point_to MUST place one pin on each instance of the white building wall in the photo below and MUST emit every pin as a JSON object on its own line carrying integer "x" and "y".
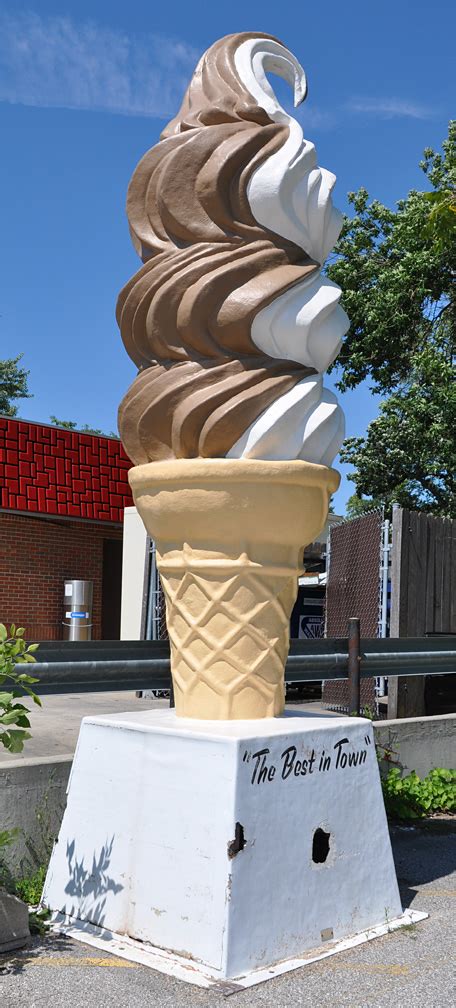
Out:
{"x": 134, "y": 569}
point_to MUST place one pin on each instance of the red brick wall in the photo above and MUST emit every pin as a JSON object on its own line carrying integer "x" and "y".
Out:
{"x": 36, "y": 556}
{"x": 49, "y": 470}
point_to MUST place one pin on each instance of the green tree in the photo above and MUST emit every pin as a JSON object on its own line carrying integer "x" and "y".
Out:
{"x": 396, "y": 269}
{"x": 357, "y": 506}
{"x": 409, "y": 453}
{"x": 13, "y": 385}
{"x": 66, "y": 424}
{"x": 85, "y": 429}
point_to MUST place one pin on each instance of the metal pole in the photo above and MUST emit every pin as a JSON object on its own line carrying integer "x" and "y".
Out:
{"x": 153, "y": 589}
{"x": 384, "y": 603}
{"x": 385, "y": 565}
{"x": 354, "y": 663}
{"x": 327, "y": 566}
{"x": 150, "y": 596}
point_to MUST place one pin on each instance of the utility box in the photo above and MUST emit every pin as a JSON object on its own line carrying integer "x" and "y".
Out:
{"x": 78, "y": 597}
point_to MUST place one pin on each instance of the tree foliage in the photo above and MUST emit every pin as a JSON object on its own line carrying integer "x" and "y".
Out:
{"x": 409, "y": 453}
{"x": 357, "y": 505}
{"x": 396, "y": 269}
{"x": 13, "y": 385}
{"x": 85, "y": 429}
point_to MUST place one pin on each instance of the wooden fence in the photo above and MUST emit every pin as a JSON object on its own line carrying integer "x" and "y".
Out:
{"x": 423, "y": 593}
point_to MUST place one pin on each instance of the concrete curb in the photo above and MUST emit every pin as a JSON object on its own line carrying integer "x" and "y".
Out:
{"x": 420, "y": 744}
{"x": 32, "y": 800}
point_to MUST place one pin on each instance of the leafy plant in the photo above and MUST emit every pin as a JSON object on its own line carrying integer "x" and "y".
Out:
{"x": 411, "y": 797}
{"x": 14, "y": 715}
{"x": 38, "y": 920}
{"x": 30, "y": 889}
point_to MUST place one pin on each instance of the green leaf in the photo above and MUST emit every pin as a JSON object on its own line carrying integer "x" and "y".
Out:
{"x": 13, "y": 740}
{"x": 13, "y": 716}
{"x": 20, "y": 632}
{"x": 6, "y": 698}
{"x": 3, "y": 632}
{"x": 23, "y": 721}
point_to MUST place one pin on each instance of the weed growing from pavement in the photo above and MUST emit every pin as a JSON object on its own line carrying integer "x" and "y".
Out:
{"x": 409, "y": 931}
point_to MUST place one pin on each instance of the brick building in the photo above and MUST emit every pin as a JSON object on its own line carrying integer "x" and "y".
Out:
{"x": 62, "y": 496}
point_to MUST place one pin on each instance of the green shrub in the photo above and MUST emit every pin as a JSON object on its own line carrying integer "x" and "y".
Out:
{"x": 30, "y": 889}
{"x": 411, "y": 797}
{"x": 14, "y": 716}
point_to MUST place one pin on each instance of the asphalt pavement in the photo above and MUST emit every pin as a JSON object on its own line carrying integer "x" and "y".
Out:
{"x": 404, "y": 969}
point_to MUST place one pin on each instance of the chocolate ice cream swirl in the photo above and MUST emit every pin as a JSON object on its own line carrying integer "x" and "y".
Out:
{"x": 209, "y": 268}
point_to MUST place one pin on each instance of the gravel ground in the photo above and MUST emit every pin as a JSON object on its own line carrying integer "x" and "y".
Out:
{"x": 404, "y": 969}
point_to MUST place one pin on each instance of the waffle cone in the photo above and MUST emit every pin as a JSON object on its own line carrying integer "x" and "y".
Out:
{"x": 230, "y": 536}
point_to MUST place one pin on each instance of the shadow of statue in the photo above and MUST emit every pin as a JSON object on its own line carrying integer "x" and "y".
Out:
{"x": 421, "y": 856}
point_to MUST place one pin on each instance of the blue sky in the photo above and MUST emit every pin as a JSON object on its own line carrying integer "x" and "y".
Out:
{"x": 86, "y": 87}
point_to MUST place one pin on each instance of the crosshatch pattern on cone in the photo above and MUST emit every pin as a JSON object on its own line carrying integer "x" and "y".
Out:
{"x": 230, "y": 537}
{"x": 228, "y": 629}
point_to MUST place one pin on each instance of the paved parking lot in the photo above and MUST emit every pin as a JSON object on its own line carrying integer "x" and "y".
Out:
{"x": 409, "y": 968}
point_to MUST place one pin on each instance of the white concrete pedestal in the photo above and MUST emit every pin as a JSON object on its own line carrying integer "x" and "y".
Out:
{"x": 199, "y": 840}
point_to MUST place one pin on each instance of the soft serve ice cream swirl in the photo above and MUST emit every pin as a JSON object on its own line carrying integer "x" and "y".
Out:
{"x": 229, "y": 320}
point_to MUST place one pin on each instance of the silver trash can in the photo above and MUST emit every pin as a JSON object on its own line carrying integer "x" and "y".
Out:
{"x": 77, "y": 625}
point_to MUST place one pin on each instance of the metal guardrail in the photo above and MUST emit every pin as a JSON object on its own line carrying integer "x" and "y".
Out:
{"x": 98, "y": 666}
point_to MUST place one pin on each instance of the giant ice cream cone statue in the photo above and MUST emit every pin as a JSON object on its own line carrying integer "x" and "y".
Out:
{"x": 231, "y": 324}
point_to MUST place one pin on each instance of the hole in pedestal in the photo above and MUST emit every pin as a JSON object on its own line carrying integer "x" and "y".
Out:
{"x": 239, "y": 841}
{"x": 320, "y": 846}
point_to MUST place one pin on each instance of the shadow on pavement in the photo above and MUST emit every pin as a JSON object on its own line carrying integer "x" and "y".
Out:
{"x": 421, "y": 857}
{"x": 13, "y": 963}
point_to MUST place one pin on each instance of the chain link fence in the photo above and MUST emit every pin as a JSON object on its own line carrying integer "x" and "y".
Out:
{"x": 353, "y": 589}
{"x": 155, "y": 612}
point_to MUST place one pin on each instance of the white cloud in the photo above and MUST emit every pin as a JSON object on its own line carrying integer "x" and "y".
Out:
{"x": 389, "y": 108}
{"x": 57, "y": 62}
{"x": 311, "y": 117}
